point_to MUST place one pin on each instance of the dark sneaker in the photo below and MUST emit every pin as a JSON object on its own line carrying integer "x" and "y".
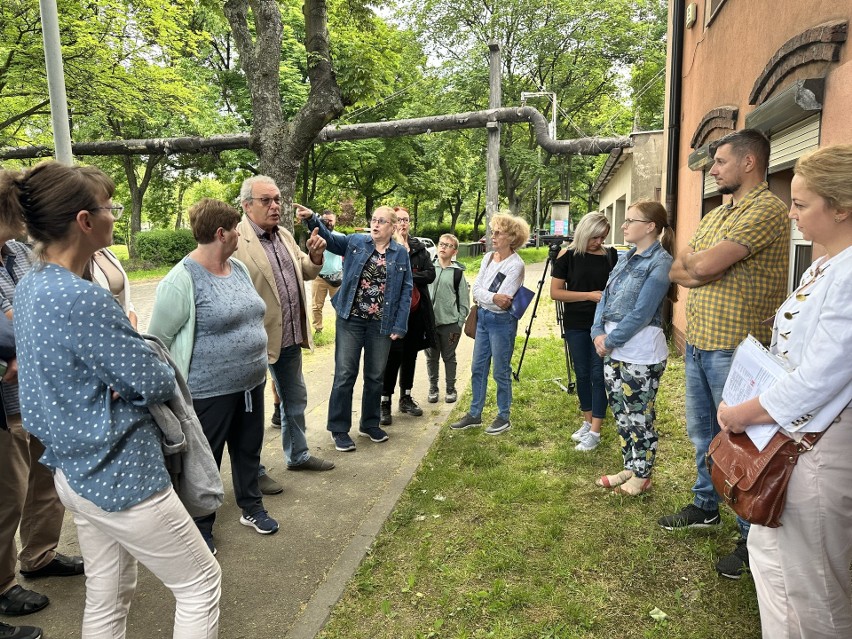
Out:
{"x": 408, "y": 405}
{"x": 451, "y": 397}
{"x": 207, "y": 535}
{"x": 19, "y": 632}
{"x": 467, "y": 421}
{"x": 432, "y": 397}
{"x": 499, "y": 425}
{"x": 691, "y": 516}
{"x": 276, "y": 416}
{"x": 375, "y": 434}
{"x": 343, "y": 442}
{"x": 735, "y": 565}
{"x": 261, "y": 522}
{"x": 269, "y": 486}
{"x": 386, "y": 419}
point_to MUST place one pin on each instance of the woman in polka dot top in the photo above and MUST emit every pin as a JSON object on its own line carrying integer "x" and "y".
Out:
{"x": 86, "y": 379}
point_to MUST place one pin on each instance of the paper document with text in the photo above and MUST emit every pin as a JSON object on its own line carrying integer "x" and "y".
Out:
{"x": 753, "y": 370}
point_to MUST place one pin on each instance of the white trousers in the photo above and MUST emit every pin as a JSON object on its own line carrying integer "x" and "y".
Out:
{"x": 801, "y": 570}
{"x": 161, "y": 535}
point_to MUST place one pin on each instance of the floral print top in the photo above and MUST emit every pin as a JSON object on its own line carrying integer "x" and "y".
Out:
{"x": 370, "y": 295}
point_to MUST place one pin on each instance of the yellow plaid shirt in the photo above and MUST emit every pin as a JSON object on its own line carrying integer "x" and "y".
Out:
{"x": 720, "y": 314}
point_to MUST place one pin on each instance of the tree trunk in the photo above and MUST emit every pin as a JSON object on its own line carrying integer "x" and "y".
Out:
{"x": 282, "y": 145}
{"x": 137, "y": 194}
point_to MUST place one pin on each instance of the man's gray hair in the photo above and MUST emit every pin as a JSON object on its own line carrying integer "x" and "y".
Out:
{"x": 248, "y": 184}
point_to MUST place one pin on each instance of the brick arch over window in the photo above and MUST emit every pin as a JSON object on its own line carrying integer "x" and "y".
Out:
{"x": 719, "y": 118}
{"x": 818, "y": 44}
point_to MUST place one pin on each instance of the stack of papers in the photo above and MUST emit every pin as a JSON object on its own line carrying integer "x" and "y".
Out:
{"x": 753, "y": 370}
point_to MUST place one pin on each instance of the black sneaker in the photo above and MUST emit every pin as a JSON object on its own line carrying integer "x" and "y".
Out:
{"x": 375, "y": 434}
{"x": 276, "y": 416}
{"x": 452, "y": 396}
{"x": 386, "y": 419}
{"x": 432, "y": 397}
{"x": 19, "y": 632}
{"x": 735, "y": 565}
{"x": 343, "y": 442}
{"x": 467, "y": 421}
{"x": 691, "y": 516}
{"x": 408, "y": 405}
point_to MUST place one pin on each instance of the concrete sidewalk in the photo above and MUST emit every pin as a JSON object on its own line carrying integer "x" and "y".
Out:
{"x": 284, "y": 585}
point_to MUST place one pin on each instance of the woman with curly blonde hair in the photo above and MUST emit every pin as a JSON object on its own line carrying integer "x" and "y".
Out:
{"x": 500, "y": 277}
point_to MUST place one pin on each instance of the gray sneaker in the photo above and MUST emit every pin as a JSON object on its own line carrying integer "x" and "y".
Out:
{"x": 451, "y": 397}
{"x": 589, "y": 442}
{"x": 499, "y": 425}
{"x": 467, "y": 421}
{"x": 432, "y": 397}
{"x": 580, "y": 432}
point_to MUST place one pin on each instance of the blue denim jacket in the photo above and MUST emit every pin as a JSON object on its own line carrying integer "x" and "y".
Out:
{"x": 356, "y": 249}
{"x": 634, "y": 294}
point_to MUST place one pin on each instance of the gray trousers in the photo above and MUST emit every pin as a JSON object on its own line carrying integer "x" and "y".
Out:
{"x": 446, "y": 351}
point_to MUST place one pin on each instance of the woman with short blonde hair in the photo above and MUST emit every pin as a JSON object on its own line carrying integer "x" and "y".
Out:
{"x": 500, "y": 277}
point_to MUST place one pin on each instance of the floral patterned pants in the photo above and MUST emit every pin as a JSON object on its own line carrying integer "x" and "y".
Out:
{"x": 632, "y": 391}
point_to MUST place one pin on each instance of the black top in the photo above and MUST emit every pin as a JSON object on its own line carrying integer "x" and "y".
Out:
{"x": 583, "y": 273}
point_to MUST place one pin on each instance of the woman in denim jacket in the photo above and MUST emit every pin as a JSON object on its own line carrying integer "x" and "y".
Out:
{"x": 372, "y": 306}
{"x": 627, "y": 332}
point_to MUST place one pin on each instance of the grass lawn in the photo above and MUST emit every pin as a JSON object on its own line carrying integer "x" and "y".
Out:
{"x": 508, "y": 536}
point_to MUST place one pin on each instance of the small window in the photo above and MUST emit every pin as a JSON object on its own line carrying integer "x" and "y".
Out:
{"x": 711, "y": 8}
{"x": 802, "y": 257}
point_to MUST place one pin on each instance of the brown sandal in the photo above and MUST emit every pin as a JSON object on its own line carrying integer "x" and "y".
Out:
{"x": 611, "y": 481}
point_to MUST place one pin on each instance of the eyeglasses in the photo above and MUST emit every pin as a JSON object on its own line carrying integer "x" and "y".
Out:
{"x": 266, "y": 202}
{"x": 117, "y": 210}
{"x": 628, "y": 221}
{"x": 446, "y": 245}
{"x": 497, "y": 233}
{"x": 379, "y": 220}
{"x": 402, "y": 220}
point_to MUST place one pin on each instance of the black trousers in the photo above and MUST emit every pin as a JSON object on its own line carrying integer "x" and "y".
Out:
{"x": 226, "y": 420}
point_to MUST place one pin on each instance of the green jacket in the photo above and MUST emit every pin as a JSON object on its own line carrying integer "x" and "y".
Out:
{"x": 449, "y": 308}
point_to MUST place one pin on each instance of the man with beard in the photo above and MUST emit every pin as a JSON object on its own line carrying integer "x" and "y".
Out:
{"x": 736, "y": 269}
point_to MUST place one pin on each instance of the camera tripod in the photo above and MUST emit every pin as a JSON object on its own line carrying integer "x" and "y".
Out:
{"x": 553, "y": 252}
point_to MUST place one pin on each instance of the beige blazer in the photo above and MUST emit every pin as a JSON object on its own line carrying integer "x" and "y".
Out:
{"x": 250, "y": 252}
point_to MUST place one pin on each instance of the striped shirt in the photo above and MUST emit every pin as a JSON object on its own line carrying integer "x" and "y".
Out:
{"x": 17, "y": 262}
{"x": 720, "y": 314}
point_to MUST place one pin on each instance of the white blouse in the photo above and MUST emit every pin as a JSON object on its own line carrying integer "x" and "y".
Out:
{"x": 813, "y": 333}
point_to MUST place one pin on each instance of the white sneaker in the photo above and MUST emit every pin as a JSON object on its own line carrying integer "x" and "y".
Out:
{"x": 589, "y": 442}
{"x": 580, "y": 432}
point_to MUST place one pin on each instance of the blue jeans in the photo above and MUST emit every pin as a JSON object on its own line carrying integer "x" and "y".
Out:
{"x": 706, "y": 373}
{"x": 495, "y": 342}
{"x": 588, "y": 369}
{"x": 353, "y": 336}
{"x": 290, "y": 383}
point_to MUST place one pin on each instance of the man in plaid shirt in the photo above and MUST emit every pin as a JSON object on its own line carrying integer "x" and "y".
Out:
{"x": 736, "y": 268}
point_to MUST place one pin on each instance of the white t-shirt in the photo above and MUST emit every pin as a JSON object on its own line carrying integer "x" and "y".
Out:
{"x": 647, "y": 346}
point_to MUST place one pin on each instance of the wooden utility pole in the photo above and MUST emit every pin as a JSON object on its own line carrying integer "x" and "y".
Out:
{"x": 492, "y": 170}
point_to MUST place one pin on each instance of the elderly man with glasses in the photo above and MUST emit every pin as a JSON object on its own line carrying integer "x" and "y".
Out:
{"x": 278, "y": 269}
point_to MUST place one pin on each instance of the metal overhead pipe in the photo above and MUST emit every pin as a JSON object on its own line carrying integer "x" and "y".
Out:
{"x": 56, "y": 81}
{"x": 332, "y": 133}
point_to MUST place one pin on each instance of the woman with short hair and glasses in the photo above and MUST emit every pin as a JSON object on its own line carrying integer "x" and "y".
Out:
{"x": 372, "y": 305}
{"x": 500, "y": 277}
{"x": 87, "y": 379}
{"x": 402, "y": 358}
{"x": 580, "y": 273}
{"x": 628, "y": 333}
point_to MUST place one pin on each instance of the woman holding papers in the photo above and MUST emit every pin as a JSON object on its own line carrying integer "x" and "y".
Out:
{"x": 499, "y": 279}
{"x": 628, "y": 334}
{"x": 801, "y": 570}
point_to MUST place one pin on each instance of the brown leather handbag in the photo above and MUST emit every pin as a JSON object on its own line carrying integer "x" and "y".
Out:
{"x": 470, "y": 322}
{"x": 752, "y": 482}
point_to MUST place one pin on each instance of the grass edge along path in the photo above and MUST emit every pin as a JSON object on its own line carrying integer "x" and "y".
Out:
{"x": 508, "y": 536}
